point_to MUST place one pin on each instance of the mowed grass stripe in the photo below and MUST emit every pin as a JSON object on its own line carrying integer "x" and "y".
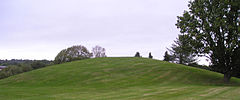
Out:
{"x": 119, "y": 79}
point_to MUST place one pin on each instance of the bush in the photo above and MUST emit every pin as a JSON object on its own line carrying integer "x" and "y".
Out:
{"x": 22, "y": 67}
{"x": 26, "y": 67}
{"x": 10, "y": 70}
{"x": 37, "y": 64}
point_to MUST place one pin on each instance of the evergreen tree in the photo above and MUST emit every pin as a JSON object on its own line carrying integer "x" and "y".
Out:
{"x": 137, "y": 54}
{"x": 181, "y": 51}
{"x": 150, "y": 56}
{"x": 167, "y": 57}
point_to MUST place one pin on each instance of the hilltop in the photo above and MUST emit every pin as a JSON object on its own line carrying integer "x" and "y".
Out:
{"x": 118, "y": 78}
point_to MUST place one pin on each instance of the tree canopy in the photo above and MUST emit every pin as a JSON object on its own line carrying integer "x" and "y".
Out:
{"x": 213, "y": 28}
{"x": 72, "y": 53}
{"x": 150, "y": 55}
{"x": 166, "y": 56}
{"x": 137, "y": 54}
{"x": 181, "y": 51}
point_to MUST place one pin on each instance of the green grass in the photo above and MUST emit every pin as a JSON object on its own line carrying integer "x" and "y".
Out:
{"x": 119, "y": 79}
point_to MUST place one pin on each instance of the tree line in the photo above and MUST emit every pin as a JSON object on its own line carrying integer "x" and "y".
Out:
{"x": 15, "y": 66}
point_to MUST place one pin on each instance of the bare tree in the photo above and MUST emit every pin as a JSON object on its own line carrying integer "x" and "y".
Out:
{"x": 98, "y": 51}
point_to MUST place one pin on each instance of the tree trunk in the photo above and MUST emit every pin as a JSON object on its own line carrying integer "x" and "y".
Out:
{"x": 227, "y": 78}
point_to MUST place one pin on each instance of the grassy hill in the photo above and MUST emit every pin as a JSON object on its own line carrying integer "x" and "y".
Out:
{"x": 119, "y": 78}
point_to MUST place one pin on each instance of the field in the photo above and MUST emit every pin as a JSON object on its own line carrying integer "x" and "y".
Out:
{"x": 119, "y": 79}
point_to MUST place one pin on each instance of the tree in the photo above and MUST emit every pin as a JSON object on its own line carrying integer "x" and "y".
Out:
{"x": 167, "y": 57}
{"x": 150, "y": 56}
{"x": 72, "y": 53}
{"x": 98, "y": 51}
{"x": 37, "y": 64}
{"x": 181, "y": 51}
{"x": 137, "y": 54}
{"x": 13, "y": 70}
{"x": 10, "y": 70}
{"x": 25, "y": 67}
{"x": 213, "y": 28}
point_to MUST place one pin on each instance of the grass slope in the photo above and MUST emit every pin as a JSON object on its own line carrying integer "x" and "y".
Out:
{"x": 118, "y": 78}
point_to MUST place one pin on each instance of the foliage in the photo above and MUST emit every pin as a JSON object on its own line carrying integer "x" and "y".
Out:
{"x": 72, "y": 53}
{"x": 137, "y": 54}
{"x": 18, "y": 62}
{"x": 150, "y": 55}
{"x": 25, "y": 67}
{"x": 181, "y": 51}
{"x": 9, "y": 71}
{"x": 98, "y": 51}
{"x": 213, "y": 26}
{"x": 37, "y": 64}
{"x": 167, "y": 57}
{"x": 21, "y": 66}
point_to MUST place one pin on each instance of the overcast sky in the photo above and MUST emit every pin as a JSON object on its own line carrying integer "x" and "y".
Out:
{"x": 39, "y": 29}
